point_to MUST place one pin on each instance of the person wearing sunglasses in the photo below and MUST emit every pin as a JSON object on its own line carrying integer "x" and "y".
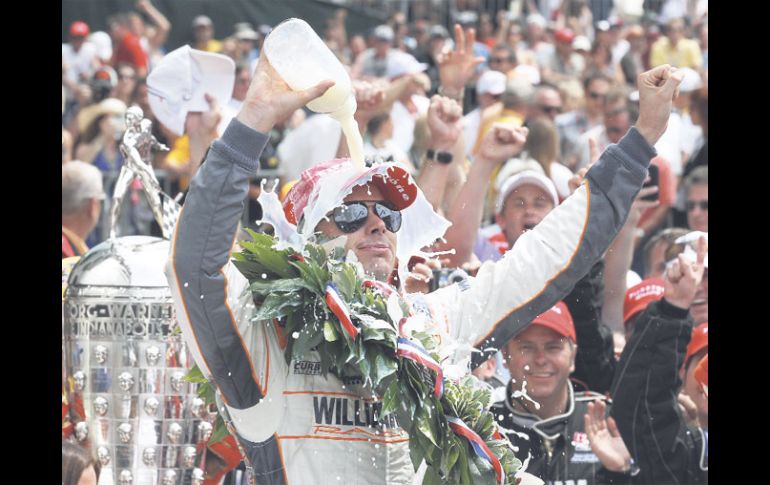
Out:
{"x": 294, "y": 424}
{"x": 546, "y": 102}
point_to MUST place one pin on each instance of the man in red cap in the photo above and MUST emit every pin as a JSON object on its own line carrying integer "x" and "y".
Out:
{"x": 637, "y": 299}
{"x": 79, "y": 59}
{"x": 294, "y": 424}
{"x": 544, "y": 416}
{"x": 665, "y": 447}
{"x": 563, "y": 63}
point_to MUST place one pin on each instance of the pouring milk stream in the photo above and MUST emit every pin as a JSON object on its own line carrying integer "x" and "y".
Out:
{"x": 303, "y": 60}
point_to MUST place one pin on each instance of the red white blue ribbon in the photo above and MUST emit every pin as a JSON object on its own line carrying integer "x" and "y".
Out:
{"x": 478, "y": 445}
{"x": 340, "y": 310}
{"x": 414, "y": 351}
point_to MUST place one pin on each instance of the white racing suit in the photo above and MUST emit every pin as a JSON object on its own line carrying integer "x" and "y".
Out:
{"x": 298, "y": 427}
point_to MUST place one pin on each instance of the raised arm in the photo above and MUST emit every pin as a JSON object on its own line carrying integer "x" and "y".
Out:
{"x": 444, "y": 116}
{"x": 467, "y": 210}
{"x": 162, "y": 25}
{"x": 546, "y": 262}
{"x": 647, "y": 380}
{"x": 208, "y": 295}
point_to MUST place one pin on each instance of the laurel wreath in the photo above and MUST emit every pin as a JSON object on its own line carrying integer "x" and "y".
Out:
{"x": 290, "y": 286}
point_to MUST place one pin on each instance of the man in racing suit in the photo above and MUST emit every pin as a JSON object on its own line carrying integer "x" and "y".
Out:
{"x": 666, "y": 448}
{"x": 296, "y": 426}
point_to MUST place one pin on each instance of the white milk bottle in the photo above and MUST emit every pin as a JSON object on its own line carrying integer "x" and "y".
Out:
{"x": 303, "y": 60}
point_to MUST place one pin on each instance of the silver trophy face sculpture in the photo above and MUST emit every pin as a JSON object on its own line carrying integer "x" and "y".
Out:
{"x": 198, "y": 408}
{"x": 204, "y": 431}
{"x": 101, "y": 406}
{"x": 174, "y": 433}
{"x": 79, "y": 378}
{"x": 152, "y": 354}
{"x": 81, "y": 431}
{"x": 188, "y": 456}
{"x": 126, "y": 477}
{"x": 125, "y": 433}
{"x": 197, "y": 476}
{"x": 149, "y": 456}
{"x": 126, "y": 381}
{"x": 177, "y": 381}
{"x": 151, "y": 406}
{"x": 103, "y": 455}
{"x": 169, "y": 477}
{"x": 100, "y": 354}
{"x": 127, "y": 363}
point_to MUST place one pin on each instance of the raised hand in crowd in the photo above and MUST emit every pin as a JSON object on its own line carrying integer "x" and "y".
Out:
{"x": 444, "y": 117}
{"x": 501, "y": 143}
{"x": 444, "y": 124}
{"x": 657, "y": 89}
{"x": 684, "y": 276}
{"x": 605, "y": 439}
{"x": 618, "y": 261}
{"x": 369, "y": 100}
{"x": 577, "y": 179}
{"x": 456, "y": 67}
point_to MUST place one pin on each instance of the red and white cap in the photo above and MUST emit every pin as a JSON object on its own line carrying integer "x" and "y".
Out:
{"x": 394, "y": 183}
{"x": 559, "y": 319}
{"x": 324, "y": 186}
{"x": 641, "y": 295}
{"x": 79, "y": 29}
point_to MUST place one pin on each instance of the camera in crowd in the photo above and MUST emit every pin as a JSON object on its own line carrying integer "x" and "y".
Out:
{"x": 447, "y": 276}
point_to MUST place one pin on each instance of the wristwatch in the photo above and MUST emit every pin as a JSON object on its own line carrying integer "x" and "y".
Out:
{"x": 441, "y": 157}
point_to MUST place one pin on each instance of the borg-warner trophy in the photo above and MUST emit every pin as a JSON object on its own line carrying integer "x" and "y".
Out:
{"x": 124, "y": 361}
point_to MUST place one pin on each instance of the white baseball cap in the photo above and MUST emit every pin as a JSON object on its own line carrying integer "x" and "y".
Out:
{"x": 492, "y": 82}
{"x": 691, "y": 80}
{"x": 401, "y": 63}
{"x": 178, "y": 84}
{"x": 524, "y": 178}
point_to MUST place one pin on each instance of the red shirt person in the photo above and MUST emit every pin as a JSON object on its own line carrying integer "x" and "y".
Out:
{"x": 128, "y": 49}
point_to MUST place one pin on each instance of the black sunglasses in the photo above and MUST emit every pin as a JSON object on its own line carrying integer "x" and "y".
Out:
{"x": 352, "y": 216}
{"x": 596, "y": 95}
{"x": 692, "y": 204}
